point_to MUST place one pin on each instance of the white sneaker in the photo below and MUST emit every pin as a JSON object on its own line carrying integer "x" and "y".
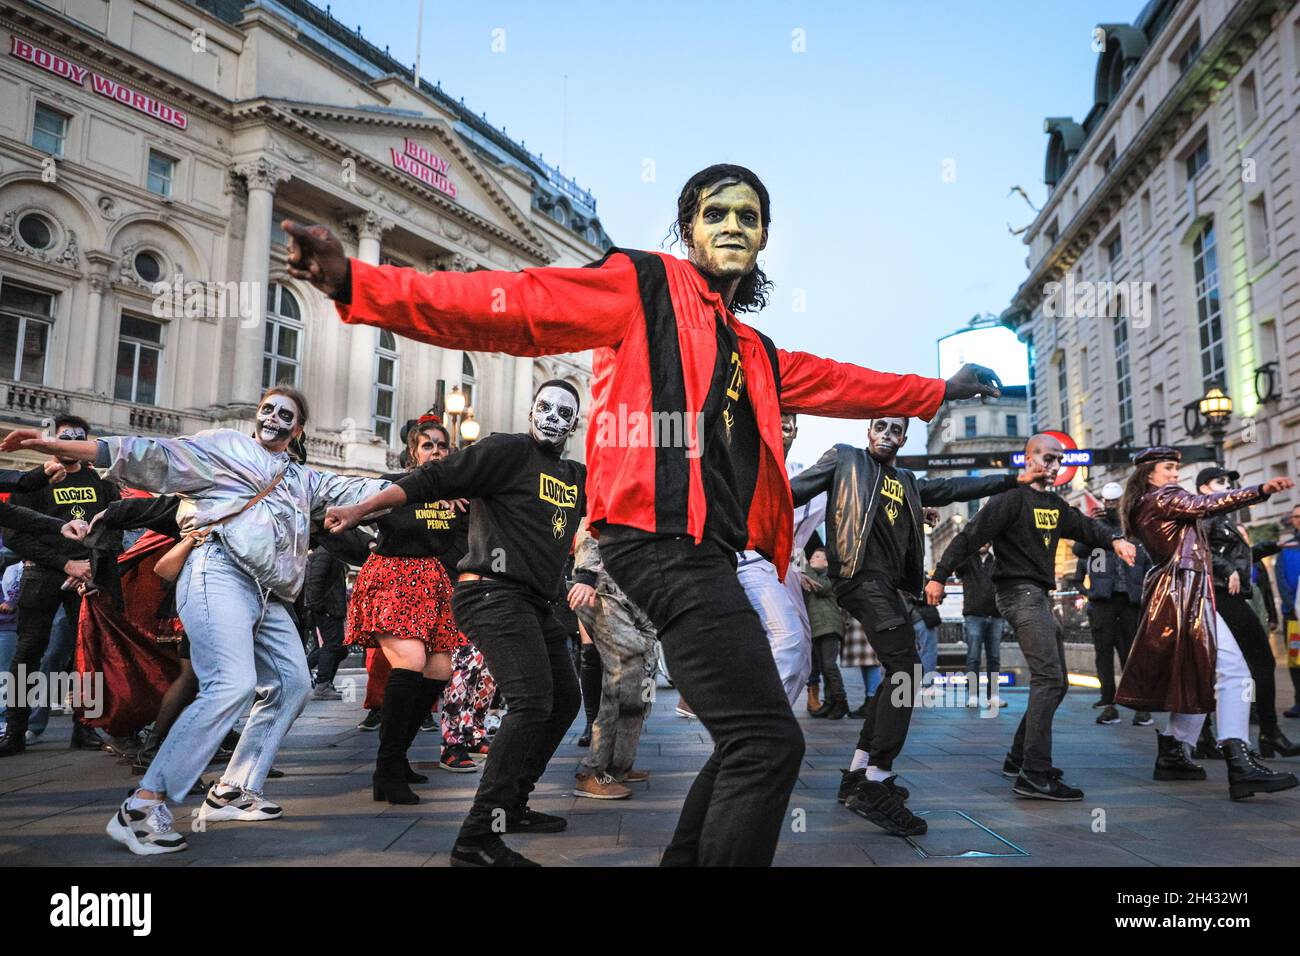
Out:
{"x": 146, "y": 831}
{"x": 31, "y": 737}
{"x": 235, "y": 804}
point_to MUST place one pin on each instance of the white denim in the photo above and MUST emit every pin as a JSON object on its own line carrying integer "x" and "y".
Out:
{"x": 1233, "y": 693}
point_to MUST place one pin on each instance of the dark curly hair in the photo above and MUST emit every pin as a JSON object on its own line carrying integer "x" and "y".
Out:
{"x": 753, "y": 291}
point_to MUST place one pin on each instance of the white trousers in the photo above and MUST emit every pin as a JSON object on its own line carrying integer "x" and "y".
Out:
{"x": 1233, "y": 692}
{"x": 787, "y": 629}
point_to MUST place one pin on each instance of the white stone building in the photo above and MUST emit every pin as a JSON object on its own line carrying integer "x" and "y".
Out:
{"x": 154, "y": 145}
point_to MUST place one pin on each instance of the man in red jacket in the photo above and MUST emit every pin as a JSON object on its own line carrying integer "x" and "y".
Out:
{"x": 684, "y": 456}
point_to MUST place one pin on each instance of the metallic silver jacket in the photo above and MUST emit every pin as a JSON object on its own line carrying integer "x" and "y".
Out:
{"x": 215, "y": 473}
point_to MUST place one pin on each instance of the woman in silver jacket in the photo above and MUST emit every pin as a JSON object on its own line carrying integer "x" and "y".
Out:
{"x": 236, "y": 584}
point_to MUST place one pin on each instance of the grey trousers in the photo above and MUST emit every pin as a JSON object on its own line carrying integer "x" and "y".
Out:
{"x": 629, "y": 656}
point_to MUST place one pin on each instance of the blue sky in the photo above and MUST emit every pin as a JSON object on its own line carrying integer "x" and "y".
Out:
{"x": 851, "y": 136}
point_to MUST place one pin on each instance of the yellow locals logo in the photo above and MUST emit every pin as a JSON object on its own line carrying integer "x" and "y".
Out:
{"x": 1045, "y": 520}
{"x": 556, "y": 492}
{"x": 893, "y": 490}
{"x": 74, "y": 496}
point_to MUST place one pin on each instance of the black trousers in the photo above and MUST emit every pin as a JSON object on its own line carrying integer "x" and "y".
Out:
{"x": 826, "y": 658}
{"x": 40, "y": 595}
{"x": 332, "y": 652}
{"x": 1114, "y": 625}
{"x": 879, "y": 608}
{"x": 526, "y": 650}
{"x": 1251, "y": 637}
{"x": 718, "y": 654}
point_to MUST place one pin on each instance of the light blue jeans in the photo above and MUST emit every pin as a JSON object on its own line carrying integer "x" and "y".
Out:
{"x": 244, "y": 648}
{"x": 927, "y": 646}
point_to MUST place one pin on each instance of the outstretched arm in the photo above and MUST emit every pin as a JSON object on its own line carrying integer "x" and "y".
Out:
{"x": 820, "y": 386}
{"x": 1176, "y": 504}
{"x": 811, "y": 482}
{"x": 533, "y": 312}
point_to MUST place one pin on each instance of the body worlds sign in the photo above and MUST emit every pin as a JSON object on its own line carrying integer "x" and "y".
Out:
{"x": 425, "y": 165}
{"x": 113, "y": 90}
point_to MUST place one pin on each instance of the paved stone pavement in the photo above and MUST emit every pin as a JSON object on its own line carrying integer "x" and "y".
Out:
{"x": 54, "y": 802}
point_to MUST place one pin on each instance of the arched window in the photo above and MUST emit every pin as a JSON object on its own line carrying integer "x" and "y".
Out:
{"x": 467, "y": 380}
{"x": 385, "y": 386}
{"x": 282, "y": 345}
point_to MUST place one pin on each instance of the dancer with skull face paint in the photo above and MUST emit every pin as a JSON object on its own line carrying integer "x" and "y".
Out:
{"x": 527, "y": 502}
{"x": 671, "y": 509}
{"x": 876, "y": 555}
{"x": 246, "y": 506}
{"x": 1025, "y": 524}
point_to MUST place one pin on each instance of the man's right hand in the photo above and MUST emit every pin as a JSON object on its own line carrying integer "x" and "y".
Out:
{"x": 342, "y": 517}
{"x": 77, "y": 569}
{"x": 316, "y": 256}
{"x": 934, "y": 592}
{"x": 1270, "y": 487}
{"x": 972, "y": 381}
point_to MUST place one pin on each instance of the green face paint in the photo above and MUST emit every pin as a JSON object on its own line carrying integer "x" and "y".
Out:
{"x": 727, "y": 231}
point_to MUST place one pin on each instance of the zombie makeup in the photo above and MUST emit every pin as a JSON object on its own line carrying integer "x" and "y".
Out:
{"x": 553, "y": 417}
{"x": 432, "y": 446}
{"x": 727, "y": 232}
{"x": 789, "y": 432}
{"x": 277, "y": 418}
{"x": 71, "y": 433}
{"x": 1046, "y": 452}
{"x": 885, "y": 437}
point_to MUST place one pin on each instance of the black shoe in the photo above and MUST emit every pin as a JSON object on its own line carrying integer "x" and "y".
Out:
{"x": 881, "y": 805}
{"x": 1207, "y": 748}
{"x": 1142, "y": 719}
{"x": 528, "y": 820}
{"x": 835, "y": 710}
{"x": 1011, "y": 768}
{"x": 584, "y": 739}
{"x": 1100, "y": 703}
{"x": 1044, "y": 786}
{"x": 85, "y": 738}
{"x": 1274, "y": 743}
{"x": 371, "y": 721}
{"x": 14, "y": 739}
{"x": 395, "y": 790}
{"x": 1172, "y": 762}
{"x": 849, "y": 781}
{"x": 1108, "y": 716}
{"x": 412, "y": 776}
{"x": 1247, "y": 776}
{"x": 492, "y": 853}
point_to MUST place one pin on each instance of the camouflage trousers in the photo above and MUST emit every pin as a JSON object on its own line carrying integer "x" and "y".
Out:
{"x": 629, "y": 656}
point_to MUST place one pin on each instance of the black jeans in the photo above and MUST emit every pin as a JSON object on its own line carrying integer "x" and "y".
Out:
{"x": 332, "y": 651}
{"x": 879, "y": 608}
{"x": 1113, "y": 624}
{"x": 718, "y": 654}
{"x": 826, "y": 658}
{"x": 1028, "y": 610}
{"x": 526, "y": 650}
{"x": 40, "y": 595}
{"x": 1253, "y": 641}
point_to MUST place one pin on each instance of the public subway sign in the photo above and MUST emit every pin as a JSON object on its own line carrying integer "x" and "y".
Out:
{"x": 425, "y": 165}
{"x": 109, "y": 88}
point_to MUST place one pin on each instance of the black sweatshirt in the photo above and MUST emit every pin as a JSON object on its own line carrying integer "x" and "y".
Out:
{"x": 420, "y": 529}
{"x": 79, "y": 496}
{"x": 1024, "y": 525}
{"x": 527, "y": 505}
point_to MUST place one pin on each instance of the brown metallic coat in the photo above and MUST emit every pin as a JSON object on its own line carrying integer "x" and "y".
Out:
{"x": 1171, "y": 666}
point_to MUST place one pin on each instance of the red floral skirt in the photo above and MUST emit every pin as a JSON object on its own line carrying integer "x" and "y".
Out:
{"x": 404, "y": 597}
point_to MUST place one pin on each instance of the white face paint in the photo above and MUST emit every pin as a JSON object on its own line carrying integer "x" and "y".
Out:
{"x": 554, "y": 416}
{"x": 277, "y": 417}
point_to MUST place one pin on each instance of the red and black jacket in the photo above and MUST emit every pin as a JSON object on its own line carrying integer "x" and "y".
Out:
{"x": 651, "y": 319}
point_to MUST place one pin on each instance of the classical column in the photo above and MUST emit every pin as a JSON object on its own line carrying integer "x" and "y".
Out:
{"x": 522, "y": 393}
{"x": 261, "y": 177}
{"x": 95, "y": 370}
{"x": 362, "y": 341}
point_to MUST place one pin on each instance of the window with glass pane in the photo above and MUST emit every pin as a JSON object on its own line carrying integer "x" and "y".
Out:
{"x": 1198, "y": 159}
{"x": 385, "y": 386}
{"x": 1063, "y": 393}
{"x": 282, "y": 339}
{"x": 49, "y": 130}
{"x": 970, "y": 426}
{"x": 161, "y": 172}
{"x": 139, "y": 354}
{"x": 24, "y": 332}
{"x": 1123, "y": 377}
{"x": 467, "y": 380}
{"x": 1013, "y": 425}
{"x": 1209, "y": 313}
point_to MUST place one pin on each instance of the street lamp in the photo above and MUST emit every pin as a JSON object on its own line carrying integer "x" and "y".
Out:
{"x": 1216, "y": 408}
{"x": 454, "y": 406}
{"x": 469, "y": 428}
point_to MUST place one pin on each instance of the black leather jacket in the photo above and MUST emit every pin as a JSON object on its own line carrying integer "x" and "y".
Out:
{"x": 1109, "y": 578}
{"x": 1229, "y": 551}
{"x": 852, "y": 479}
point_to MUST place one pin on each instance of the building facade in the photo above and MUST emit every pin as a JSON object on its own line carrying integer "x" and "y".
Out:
{"x": 1164, "y": 261}
{"x": 149, "y": 150}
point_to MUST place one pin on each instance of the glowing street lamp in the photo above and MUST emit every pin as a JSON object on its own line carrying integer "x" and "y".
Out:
{"x": 1216, "y": 408}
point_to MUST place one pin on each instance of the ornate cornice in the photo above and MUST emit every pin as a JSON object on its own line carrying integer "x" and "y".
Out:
{"x": 261, "y": 173}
